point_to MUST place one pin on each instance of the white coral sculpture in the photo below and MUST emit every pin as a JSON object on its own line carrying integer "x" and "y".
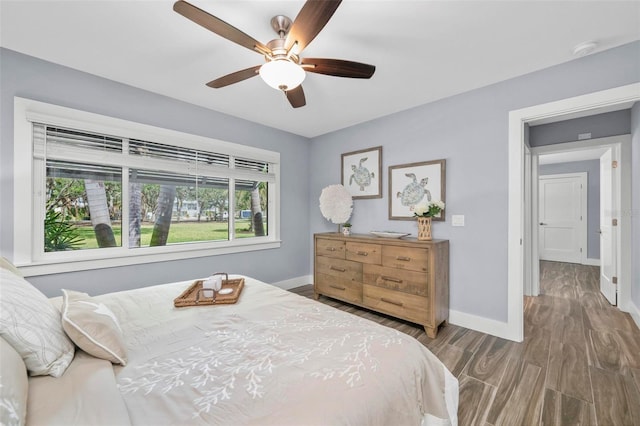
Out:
{"x": 336, "y": 204}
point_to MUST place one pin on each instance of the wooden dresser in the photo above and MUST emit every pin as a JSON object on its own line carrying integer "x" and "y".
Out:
{"x": 404, "y": 278}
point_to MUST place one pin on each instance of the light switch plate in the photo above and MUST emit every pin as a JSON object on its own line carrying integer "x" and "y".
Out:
{"x": 457, "y": 220}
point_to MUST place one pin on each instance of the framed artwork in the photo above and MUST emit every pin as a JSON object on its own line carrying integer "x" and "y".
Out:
{"x": 415, "y": 183}
{"x": 362, "y": 173}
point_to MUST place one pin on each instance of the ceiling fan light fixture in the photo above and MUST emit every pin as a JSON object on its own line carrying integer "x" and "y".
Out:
{"x": 282, "y": 74}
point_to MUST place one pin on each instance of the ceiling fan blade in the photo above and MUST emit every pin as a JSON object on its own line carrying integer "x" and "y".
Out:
{"x": 311, "y": 19}
{"x": 296, "y": 97}
{"x": 338, "y": 67}
{"x": 234, "y": 77}
{"x": 218, "y": 26}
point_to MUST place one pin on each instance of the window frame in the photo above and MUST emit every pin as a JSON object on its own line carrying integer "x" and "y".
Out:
{"x": 30, "y": 177}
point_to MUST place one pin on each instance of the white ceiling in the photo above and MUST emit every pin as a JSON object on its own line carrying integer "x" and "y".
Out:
{"x": 423, "y": 50}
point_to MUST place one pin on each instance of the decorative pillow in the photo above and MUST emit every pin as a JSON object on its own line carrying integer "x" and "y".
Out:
{"x": 14, "y": 386}
{"x": 31, "y": 324}
{"x": 93, "y": 327}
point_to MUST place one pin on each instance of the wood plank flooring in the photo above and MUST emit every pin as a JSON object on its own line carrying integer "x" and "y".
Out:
{"x": 579, "y": 363}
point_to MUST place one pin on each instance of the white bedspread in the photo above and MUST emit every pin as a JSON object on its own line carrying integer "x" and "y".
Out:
{"x": 272, "y": 358}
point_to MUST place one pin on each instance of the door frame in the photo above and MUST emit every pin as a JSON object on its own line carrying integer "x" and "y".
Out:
{"x": 535, "y": 211}
{"x": 622, "y": 97}
{"x": 621, "y": 145}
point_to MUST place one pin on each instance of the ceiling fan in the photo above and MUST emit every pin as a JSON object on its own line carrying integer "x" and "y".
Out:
{"x": 284, "y": 68}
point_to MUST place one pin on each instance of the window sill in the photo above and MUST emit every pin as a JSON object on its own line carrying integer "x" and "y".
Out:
{"x": 136, "y": 257}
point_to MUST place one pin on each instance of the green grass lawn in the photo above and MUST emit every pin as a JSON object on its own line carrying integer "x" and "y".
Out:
{"x": 180, "y": 232}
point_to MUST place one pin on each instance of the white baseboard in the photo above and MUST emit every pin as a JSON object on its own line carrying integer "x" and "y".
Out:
{"x": 294, "y": 282}
{"x": 591, "y": 262}
{"x": 481, "y": 324}
{"x": 634, "y": 311}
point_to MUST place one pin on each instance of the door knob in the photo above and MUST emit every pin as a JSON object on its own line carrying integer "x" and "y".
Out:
{"x": 542, "y": 223}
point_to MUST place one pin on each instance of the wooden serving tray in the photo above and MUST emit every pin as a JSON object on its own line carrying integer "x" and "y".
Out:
{"x": 193, "y": 295}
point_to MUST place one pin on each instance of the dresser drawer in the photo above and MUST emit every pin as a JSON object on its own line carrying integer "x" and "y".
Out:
{"x": 402, "y": 305}
{"x": 345, "y": 269}
{"x": 340, "y": 288}
{"x": 364, "y": 253}
{"x": 330, "y": 248}
{"x": 409, "y": 258}
{"x": 397, "y": 279}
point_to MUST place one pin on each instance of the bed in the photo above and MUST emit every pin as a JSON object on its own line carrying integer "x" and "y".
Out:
{"x": 273, "y": 358}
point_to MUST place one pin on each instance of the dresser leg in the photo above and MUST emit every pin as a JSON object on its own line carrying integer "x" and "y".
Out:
{"x": 432, "y": 332}
{"x": 316, "y": 296}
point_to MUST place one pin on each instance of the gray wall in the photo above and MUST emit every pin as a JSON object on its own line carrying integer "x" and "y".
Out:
{"x": 600, "y": 126}
{"x": 592, "y": 167}
{"x": 32, "y": 78}
{"x": 635, "y": 204}
{"x": 470, "y": 131}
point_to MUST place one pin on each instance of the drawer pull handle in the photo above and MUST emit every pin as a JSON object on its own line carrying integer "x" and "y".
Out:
{"x": 337, "y": 287}
{"x": 393, "y": 302}
{"x": 363, "y": 253}
{"x": 331, "y": 249}
{"x": 403, "y": 258}
{"x": 392, "y": 279}
{"x": 335, "y": 268}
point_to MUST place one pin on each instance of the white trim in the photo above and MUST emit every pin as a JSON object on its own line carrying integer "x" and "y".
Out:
{"x": 634, "y": 311}
{"x": 294, "y": 282}
{"x": 586, "y": 145}
{"x": 42, "y": 268}
{"x": 517, "y": 119}
{"x": 28, "y": 252}
{"x": 515, "y": 227}
{"x": 481, "y": 324}
{"x": 534, "y": 263}
{"x": 528, "y": 232}
{"x": 591, "y": 262}
{"x": 584, "y": 213}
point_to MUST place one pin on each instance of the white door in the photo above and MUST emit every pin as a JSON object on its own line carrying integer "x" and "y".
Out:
{"x": 608, "y": 253}
{"x": 562, "y": 216}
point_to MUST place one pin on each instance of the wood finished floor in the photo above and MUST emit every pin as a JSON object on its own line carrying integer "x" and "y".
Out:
{"x": 579, "y": 363}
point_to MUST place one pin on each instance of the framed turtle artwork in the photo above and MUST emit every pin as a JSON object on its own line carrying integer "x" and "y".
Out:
{"x": 362, "y": 173}
{"x": 413, "y": 184}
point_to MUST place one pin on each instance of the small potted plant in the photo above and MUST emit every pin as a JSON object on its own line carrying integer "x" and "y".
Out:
{"x": 424, "y": 212}
{"x": 346, "y": 229}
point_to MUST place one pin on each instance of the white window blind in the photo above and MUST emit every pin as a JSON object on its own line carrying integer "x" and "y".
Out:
{"x": 62, "y": 143}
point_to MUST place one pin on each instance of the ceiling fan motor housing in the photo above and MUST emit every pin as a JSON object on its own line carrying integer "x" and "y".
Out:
{"x": 279, "y": 51}
{"x": 281, "y": 25}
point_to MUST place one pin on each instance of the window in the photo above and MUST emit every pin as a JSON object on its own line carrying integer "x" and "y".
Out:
{"x": 109, "y": 192}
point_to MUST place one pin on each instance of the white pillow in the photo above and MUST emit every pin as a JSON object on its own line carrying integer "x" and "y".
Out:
{"x": 93, "y": 327}
{"x": 32, "y": 326}
{"x": 14, "y": 386}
